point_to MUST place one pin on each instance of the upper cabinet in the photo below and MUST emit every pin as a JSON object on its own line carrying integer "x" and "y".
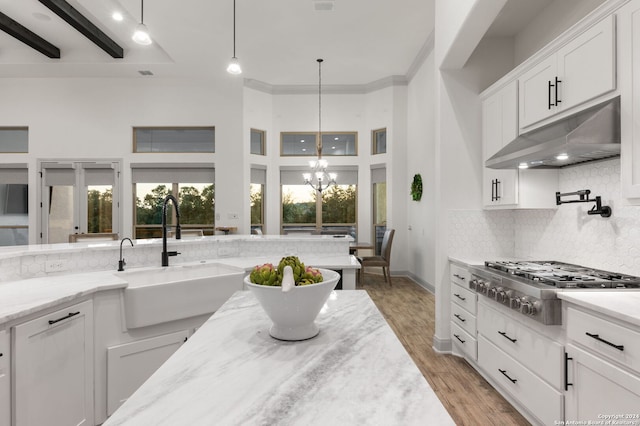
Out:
{"x": 581, "y": 70}
{"x": 510, "y": 189}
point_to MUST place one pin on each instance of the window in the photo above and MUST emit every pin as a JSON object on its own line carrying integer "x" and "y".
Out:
{"x": 334, "y": 212}
{"x": 379, "y": 177}
{"x": 14, "y": 205}
{"x": 303, "y": 144}
{"x": 256, "y": 197}
{"x": 379, "y": 140}
{"x": 258, "y": 138}
{"x": 174, "y": 139}
{"x": 191, "y": 184}
{"x": 14, "y": 139}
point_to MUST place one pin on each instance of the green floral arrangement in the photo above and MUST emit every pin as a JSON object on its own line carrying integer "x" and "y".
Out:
{"x": 416, "y": 187}
{"x": 270, "y": 275}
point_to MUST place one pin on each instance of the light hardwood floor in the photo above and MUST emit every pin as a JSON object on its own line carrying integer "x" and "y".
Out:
{"x": 410, "y": 311}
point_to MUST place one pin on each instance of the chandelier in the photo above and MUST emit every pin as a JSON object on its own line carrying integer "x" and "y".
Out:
{"x": 319, "y": 179}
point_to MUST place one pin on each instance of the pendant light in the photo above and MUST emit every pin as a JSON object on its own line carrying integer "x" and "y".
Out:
{"x": 234, "y": 65}
{"x": 141, "y": 34}
{"x": 319, "y": 179}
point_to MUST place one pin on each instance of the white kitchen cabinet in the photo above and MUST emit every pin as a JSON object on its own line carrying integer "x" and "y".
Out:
{"x": 528, "y": 189}
{"x": 581, "y": 70}
{"x": 598, "y": 387}
{"x": 130, "y": 364}
{"x": 53, "y": 368}
{"x": 5, "y": 383}
{"x": 629, "y": 75}
{"x": 603, "y": 367}
{"x": 463, "y": 313}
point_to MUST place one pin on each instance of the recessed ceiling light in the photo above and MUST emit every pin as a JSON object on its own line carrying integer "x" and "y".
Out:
{"x": 301, "y": 140}
{"x": 335, "y": 139}
{"x": 523, "y": 166}
{"x": 562, "y": 157}
{"x": 117, "y": 16}
{"x": 333, "y": 147}
{"x": 304, "y": 149}
{"x": 41, "y": 16}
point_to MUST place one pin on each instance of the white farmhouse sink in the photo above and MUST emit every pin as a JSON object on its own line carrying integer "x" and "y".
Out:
{"x": 166, "y": 294}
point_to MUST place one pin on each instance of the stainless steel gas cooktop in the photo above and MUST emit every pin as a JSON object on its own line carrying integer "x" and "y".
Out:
{"x": 565, "y": 275}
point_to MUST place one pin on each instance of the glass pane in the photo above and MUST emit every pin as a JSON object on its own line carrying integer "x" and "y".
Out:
{"x": 255, "y": 195}
{"x": 300, "y": 144}
{"x": 339, "y": 143}
{"x": 61, "y": 213}
{"x": 14, "y": 214}
{"x": 379, "y": 213}
{"x": 99, "y": 208}
{"x": 14, "y": 139}
{"x": 195, "y": 139}
{"x": 380, "y": 141}
{"x": 298, "y": 204}
{"x": 339, "y": 205}
{"x": 149, "y": 197}
{"x": 196, "y": 202}
{"x": 257, "y": 141}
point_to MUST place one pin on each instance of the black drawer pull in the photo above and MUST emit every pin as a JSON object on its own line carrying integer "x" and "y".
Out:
{"x": 1, "y": 354}
{"x": 459, "y": 317}
{"x": 504, "y": 334}
{"x": 567, "y": 358}
{"x": 458, "y": 337}
{"x": 599, "y": 339}
{"x": 71, "y": 314}
{"x": 460, "y": 277}
{"x": 504, "y": 373}
{"x": 459, "y": 297}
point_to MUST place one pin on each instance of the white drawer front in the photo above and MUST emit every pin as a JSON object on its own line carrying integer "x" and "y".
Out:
{"x": 5, "y": 390}
{"x": 604, "y": 337}
{"x": 537, "y": 352}
{"x": 541, "y": 400}
{"x": 459, "y": 275}
{"x": 464, "y": 297}
{"x": 464, "y": 341}
{"x": 464, "y": 319}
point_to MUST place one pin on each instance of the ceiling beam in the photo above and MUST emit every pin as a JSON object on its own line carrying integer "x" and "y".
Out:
{"x": 78, "y": 21}
{"x": 28, "y": 37}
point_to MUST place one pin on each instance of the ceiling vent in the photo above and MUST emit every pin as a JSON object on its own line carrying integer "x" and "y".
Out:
{"x": 323, "y": 5}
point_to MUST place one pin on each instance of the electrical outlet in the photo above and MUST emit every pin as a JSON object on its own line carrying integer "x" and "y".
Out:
{"x": 57, "y": 265}
{"x": 217, "y": 216}
{"x": 233, "y": 216}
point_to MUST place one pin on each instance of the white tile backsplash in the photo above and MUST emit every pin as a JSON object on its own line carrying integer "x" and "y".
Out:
{"x": 566, "y": 234}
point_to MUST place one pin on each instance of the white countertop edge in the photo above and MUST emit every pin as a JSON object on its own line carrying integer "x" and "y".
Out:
{"x": 619, "y": 304}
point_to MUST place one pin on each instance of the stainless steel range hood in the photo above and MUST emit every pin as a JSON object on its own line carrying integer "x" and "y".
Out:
{"x": 591, "y": 134}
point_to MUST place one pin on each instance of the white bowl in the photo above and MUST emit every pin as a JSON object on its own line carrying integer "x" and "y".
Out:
{"x": 293, "y": 313}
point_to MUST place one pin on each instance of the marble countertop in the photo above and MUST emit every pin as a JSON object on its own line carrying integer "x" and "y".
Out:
{"x": 231, "y": 371}
{"x": 619, "y": 304}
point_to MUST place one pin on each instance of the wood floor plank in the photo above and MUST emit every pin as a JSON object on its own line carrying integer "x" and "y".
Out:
{"x": 410, "y": 311}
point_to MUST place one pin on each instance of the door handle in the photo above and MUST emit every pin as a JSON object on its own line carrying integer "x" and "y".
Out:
{"x": 549, "y": 103}
{"x": 556, "y": 87}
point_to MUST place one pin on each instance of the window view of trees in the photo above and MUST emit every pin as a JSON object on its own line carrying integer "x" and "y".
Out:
{"x": 257, "y": 213}
{"x": 299, "y": 206}
{"x": 339, "y": 204}
{"x": 99, "y": 209}
{"x": 196, "y": 203}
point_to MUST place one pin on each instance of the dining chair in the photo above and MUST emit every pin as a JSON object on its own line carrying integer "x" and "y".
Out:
{"x": 381, "y": 261}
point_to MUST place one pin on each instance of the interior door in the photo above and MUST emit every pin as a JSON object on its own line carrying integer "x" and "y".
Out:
{"x": 78, "y": 198}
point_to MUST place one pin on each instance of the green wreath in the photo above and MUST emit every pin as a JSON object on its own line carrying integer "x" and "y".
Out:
{"x": 416, "y": 187}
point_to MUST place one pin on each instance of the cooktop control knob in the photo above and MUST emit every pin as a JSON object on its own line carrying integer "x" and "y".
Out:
{"x": 492, "y": 292}
{"x": 514, "y": 303}
{"x": 501, "y": 295}
{"x": 528, "y": 308}
{"x": 480, "y": 286}
{"x": 473, "y": 284}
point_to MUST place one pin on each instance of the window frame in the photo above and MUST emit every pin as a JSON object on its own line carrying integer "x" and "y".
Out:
{"x": 374, "y": 133}
{"x": 263, "y": 141}
{"x": 317, "y": 135}
{"x": 15, "y": 128}
{"x": 135, "y": 142}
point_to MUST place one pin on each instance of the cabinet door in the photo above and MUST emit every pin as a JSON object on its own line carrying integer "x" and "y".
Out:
{"x": 599, "y": 388}
{"x": 5, "y": 390}
{"x": 629, "y": 73}
{"x": 130, "y": 364}
{"x": 586, "y": 65}
{"x": 537, "y": 98}
{"x": 53, "y": 372}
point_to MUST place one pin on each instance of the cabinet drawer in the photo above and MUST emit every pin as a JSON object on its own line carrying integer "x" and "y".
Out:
{"x": 522, "y": 343}
{"x": 463, "y": 297}
{"x": 540, "y": 399}
{"x": 604, "y": 337}
{"x": 5, "y": 390}
{"x": 459, "y": 275}
{"x": 464, "y": 319}
{"x": 464, "y": 341}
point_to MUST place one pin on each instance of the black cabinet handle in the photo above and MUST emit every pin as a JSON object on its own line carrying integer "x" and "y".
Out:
{"x": 504, "y": 373}
{"x": 550, "y": 104}
{"x": 566, "y": 371}
{"x": 556, "y": 86}
{"x": 460, "y": 277}
{"x": 599, "y": 339}
{"x": 458, "y": 337}
{"x": 71, "y": 314}
{"x": 497, "y": 190}
{"x": 459, "y": 297}
{"x": 459, "y": 317}
{"x": 1, "y": 354}
{"x": 504, "y": 334}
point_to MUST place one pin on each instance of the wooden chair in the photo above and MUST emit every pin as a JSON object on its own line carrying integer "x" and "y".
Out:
{"x": 383, "y": 260}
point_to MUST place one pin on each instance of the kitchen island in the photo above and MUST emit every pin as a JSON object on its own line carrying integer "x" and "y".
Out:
{"x": 232, "y": 372}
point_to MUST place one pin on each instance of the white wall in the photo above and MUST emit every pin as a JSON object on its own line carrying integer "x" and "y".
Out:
{"x": 549, "y": 24}
{"x": 93, "y": 118}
